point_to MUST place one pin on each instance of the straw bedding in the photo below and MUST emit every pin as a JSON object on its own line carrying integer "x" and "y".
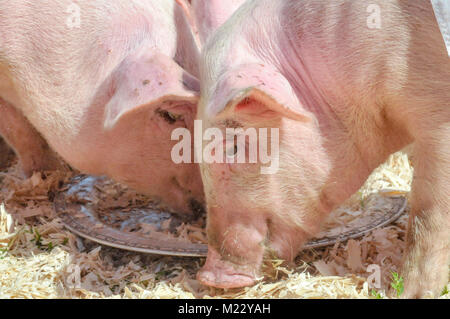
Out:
{"x": 40, "y": 259}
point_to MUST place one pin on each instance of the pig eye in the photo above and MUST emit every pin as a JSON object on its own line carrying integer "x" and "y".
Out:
{"x": 232, "y": 151}
{"x": 169, "y": 117}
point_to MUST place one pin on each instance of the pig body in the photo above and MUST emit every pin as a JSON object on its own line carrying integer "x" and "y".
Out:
{"x": 345, "y": 92}
{"x": 102, "y": 84}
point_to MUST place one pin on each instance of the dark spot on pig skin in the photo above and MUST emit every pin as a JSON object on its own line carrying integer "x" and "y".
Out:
{"x": 230, "y": 123}
{"x": 160, "y": 83}
{"x": 167, "y": 116}
{"x": 145, "y": 82}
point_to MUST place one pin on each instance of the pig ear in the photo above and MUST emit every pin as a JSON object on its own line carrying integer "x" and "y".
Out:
{"x": 188, "y": 14}
{"x": 150, "y": 81}
{"x": 256, "y": 89}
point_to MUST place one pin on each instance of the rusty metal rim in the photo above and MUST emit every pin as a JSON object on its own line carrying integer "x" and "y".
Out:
{"x": 87, "y": 226}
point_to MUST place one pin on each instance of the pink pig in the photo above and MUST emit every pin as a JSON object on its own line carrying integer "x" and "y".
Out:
{"x": 345, "y": 88}
{"x": 102, "y": 84}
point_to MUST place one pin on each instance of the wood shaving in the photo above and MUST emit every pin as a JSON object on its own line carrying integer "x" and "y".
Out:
{"x": 40, "y": 259}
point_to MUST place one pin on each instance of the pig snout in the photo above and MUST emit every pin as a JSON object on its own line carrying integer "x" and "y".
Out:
{"x": 239, "y": 243}
{"x": 220, "y": 273}
{"x": 235, "y": 250}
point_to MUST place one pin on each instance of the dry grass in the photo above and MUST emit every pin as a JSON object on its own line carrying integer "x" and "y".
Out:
{"x": 40, "y": 259}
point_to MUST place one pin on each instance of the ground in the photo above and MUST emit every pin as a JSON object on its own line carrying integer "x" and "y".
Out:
{"x": 41, "y": 259}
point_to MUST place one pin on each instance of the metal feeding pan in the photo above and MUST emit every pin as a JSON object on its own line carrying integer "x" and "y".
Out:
{"x": 105, "y": 212}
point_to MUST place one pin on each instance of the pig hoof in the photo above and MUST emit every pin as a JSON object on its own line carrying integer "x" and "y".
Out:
{"x": 223, "y": 280}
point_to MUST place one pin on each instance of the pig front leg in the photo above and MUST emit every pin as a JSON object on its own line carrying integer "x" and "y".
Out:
{"x": 33, "y": 151}
{"x": 426, "y": 258}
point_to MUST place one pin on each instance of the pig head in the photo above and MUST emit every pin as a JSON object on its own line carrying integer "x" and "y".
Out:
{"x": 342, "y": 95}
{"x": 103, "y": 84}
